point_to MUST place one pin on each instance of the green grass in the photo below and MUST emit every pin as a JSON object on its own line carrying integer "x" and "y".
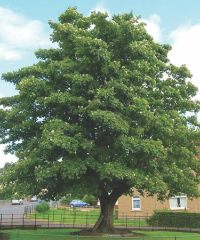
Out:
{"x": 41, "y": 234}
{"x": 167, "y": 235}
{"x": 59, "y": 234}
{"x": 80, "y": 217}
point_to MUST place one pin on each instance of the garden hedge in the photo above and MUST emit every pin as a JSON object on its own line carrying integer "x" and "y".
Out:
{"x": 174, "y": 219}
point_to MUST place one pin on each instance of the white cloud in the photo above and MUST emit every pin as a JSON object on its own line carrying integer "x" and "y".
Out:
{"x": 153, "y": 27}
{"x": 19, "y": 35}
{"x": 186, "y": 50}
{"x": 185, "y": 45}
{"x": 100, "y": 8}
{"x": 6, "y": 158}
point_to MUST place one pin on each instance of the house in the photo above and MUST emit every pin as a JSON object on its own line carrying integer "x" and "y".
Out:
{"x": 142, "y": 206}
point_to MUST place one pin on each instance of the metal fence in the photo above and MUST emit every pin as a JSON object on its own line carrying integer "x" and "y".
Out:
{"x": 31, "y": 220}
{"x": 75, "y": 219}
{"x": 28, "y": 210}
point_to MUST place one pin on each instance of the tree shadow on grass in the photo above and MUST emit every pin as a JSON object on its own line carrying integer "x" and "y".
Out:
{"x": 4, "y": 236}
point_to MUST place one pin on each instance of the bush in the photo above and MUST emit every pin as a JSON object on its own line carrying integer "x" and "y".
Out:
{"x": 66, "y": 200}
{"x": 90, "y": 199}
{"x": 42, "y": 208}
{"x": 174, "y": 219}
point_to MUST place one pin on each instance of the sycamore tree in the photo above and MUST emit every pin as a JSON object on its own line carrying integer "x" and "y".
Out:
{"x": 102, "y": 114}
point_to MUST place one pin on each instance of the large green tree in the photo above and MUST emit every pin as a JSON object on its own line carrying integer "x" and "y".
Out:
{"x": 101, "y": 114}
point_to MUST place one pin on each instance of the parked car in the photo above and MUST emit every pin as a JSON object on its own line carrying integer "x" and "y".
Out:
{"x": 33, "y": 199}
{"x": 17, "y": 201}
{"x": 41, "y": 201}
{"x": 78, "y": 203}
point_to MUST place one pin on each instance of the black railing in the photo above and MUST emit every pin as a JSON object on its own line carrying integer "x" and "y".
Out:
{"x": 74, "y": 219}
{"x": 28, "y": 210}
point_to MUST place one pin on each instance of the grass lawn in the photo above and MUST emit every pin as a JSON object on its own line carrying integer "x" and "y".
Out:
{"x": 50, "y": 234}
{"x": 81, "y": 217}
{"x": 167, "y": 235}
{"x": 41, "y": 234}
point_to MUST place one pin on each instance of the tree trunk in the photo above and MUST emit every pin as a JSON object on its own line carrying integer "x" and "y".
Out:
{"x": 107, "y": 208}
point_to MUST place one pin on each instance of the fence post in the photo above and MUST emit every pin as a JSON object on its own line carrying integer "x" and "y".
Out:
{"x": 86, "y": 220}
{"x": 178, "y": 227}
{"x": 135, "y": 219}
{"x": 139, "y": 221}
{"x": 17, "y": 236}
{"x": 23, "y": 221}
{"x": 126, "y": 221}
{"x": 12, "y": 221}
{"x": 64, "y": 218}
{"x": 1, "y": 221}
{"x": 48, "y": 220}
{"x": 73, "y": 218}
{"x": 35, "y": 221}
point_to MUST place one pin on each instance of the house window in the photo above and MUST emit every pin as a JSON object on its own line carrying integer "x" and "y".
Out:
{"x": 178, "y": 202}
{"x": 136, "y": 202}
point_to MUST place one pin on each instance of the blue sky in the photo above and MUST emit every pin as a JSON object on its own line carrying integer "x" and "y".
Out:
{"x": 24, "y": 28}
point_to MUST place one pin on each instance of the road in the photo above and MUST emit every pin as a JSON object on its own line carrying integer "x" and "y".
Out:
{"x": 8, "y": 208}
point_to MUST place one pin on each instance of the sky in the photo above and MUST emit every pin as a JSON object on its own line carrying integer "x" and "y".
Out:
{"x": 24, "y": 29}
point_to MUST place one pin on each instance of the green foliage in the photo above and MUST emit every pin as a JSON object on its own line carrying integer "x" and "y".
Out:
{"x": 174, "y": 219}
{"x": 67, "y": 200}
{"x": 69, "y": 197}
{"x": 88, "y": 198}
{"x": 7, "y": 167}
{"x": 42, "y": 208}
{"x": 101, "y": 114}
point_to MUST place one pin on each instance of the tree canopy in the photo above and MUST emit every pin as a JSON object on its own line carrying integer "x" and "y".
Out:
{"x": 101, "y": 114}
